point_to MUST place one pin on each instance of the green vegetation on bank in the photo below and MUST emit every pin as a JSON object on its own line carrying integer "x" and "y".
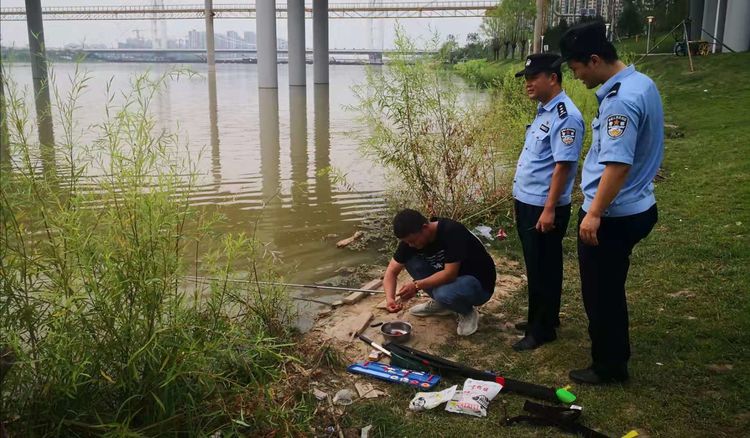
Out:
{"x": 687, "y": 290}
{"x": 99, "y": 333}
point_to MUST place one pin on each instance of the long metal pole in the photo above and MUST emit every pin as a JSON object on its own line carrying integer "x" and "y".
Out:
{"x": 35, "y": 27}
{"x": 210, "y": 47}
{"x": 272, "y": 283}
{"x": 687, "y": 45}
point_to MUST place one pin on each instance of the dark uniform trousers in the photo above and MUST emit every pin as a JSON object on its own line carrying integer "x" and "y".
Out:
{"x": 604, "y": 269}
{"x": 542, "y": 253}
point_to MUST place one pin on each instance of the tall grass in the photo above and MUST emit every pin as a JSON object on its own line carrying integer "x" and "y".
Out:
{"x": 426, "y": 138}
{"x": 106, "y": 337}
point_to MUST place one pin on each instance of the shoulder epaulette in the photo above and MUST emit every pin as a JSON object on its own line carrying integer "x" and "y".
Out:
{"x": 613, "y": 91}
{"x": 561, "y": 110}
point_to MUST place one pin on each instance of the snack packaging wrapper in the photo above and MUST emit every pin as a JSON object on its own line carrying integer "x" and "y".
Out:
{"x": 475, "y": 398}
{"x": 428, "y": 400}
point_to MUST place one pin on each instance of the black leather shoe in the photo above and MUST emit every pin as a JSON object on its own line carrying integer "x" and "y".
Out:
{"x": 591, "y": 377}
{"x": 528, "y": 342}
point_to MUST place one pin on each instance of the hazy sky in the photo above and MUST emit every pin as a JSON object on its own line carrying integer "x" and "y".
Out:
{"x": 343, "y": 33}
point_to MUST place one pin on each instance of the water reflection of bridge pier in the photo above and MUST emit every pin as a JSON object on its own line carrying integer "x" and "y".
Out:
{"x": 307, "y": 211}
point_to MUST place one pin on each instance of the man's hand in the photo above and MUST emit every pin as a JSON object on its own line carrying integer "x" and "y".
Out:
{"x": 407, "y": 291}
{"x": 589, "y": 228}
{"x": 546, "y": 222}
{"x": 393, "y": 306}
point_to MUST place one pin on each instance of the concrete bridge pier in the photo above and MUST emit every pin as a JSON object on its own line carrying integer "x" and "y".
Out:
{"x": 320, "y": 41}
{"x": 210, "y": 48}
{"x": 296, "y": 53}
{"x": 41, "y": 80}
{"x": 265, "y": 23}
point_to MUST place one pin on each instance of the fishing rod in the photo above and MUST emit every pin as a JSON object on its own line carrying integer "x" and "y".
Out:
{"x": 273, "y": 283}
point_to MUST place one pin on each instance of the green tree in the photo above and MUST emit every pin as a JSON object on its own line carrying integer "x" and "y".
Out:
{"x": 511, "y": 22}
{"x": 631, "y": 19}
{"x": 552, "y": 35}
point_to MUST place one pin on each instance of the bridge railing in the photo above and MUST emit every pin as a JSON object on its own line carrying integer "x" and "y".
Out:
{"x": 384, "y": 9}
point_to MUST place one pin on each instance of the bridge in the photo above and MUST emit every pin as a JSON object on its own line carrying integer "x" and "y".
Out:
{"x": 250, "y": 51}
{"x": 264, "y": 12}
{"x": 380, "y": 9}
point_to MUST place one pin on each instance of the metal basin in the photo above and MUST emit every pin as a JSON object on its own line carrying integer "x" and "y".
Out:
{"x": 396, "y": 331}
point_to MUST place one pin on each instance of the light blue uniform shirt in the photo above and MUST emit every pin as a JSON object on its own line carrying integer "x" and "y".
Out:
{"x": 629, "y": 129}
{"x": 555, "y": 135}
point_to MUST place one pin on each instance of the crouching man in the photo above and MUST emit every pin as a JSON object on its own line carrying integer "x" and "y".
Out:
{"x": 447, "y": 262}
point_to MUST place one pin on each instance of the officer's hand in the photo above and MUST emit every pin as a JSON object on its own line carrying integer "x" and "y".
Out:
{"x": 589, "y": 228}
{"x": 407, "y": 291}
{"x": 546, "y": 222}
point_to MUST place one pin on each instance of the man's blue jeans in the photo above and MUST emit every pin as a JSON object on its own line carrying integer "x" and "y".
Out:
{"x": 460, "y": 296}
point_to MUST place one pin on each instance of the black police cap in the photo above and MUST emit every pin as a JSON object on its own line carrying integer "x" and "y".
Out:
{"x": 540, "y": 62}
{"x": 583, "y": 40}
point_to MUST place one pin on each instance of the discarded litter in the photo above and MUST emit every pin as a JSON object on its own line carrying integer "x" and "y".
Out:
{"x": 343, "y": 397}
{"x": 501, "y": 234}
{"x": 428, "y": 400}
{"x": 366, "y": 390}
{"x": 320, "y": 395}
{"x": 484, "y": 231}
{"x": 374, "y": 355}
{"x": 452, "y": 405}
{"x": 477, "y": 395}
{"x": 365, "y": 433}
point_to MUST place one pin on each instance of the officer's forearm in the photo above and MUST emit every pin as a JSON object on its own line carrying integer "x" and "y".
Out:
{"x": 612, "y": 180}
{"x": 556, "y": 187}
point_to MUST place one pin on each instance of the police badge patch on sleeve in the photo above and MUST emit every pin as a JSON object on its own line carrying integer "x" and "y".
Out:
{"x": 616, "y": 125}
{"x": 568, "y": 136}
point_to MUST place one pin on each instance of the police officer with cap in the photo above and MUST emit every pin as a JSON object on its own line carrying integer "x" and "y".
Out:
{"x": 619, "y": 207}
{"x": 542, "y": 189}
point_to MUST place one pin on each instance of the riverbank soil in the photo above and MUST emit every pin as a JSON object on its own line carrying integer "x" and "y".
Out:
{"x": 688, "y": 295}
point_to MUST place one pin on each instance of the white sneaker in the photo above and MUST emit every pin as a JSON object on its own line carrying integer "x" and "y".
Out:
{"x": 430, "y": 308}
{"x": 468, "y": 324}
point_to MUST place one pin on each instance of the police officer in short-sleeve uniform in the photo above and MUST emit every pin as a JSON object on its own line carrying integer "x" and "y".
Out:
{"x": 542, "y": 190}
{"x": 619, "y": 207}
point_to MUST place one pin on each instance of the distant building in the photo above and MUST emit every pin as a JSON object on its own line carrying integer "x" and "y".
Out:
{"x": 196, "y": 40}
{"x": 572, "y": 10}
{"x": 250, "y": 38}
{"x": 233, "y": 40}
{"x": 136, "y": 43}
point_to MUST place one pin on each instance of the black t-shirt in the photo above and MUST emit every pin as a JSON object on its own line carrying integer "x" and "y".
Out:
{"x": 454, "y": 243}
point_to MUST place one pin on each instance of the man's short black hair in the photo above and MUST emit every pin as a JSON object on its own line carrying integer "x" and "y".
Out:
{"x": 408, "y": 221}
{"x": 583, "y": 40}
{"x": 606, "y": 52}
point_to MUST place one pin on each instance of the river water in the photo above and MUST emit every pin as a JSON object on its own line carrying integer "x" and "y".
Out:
{"x": 262, "y": 149}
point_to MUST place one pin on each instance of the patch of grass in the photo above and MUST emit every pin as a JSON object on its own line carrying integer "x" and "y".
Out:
{"x": 661, "y": 42}
{"x": 687, "y": 291}
{"x": 482, "y": 73}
